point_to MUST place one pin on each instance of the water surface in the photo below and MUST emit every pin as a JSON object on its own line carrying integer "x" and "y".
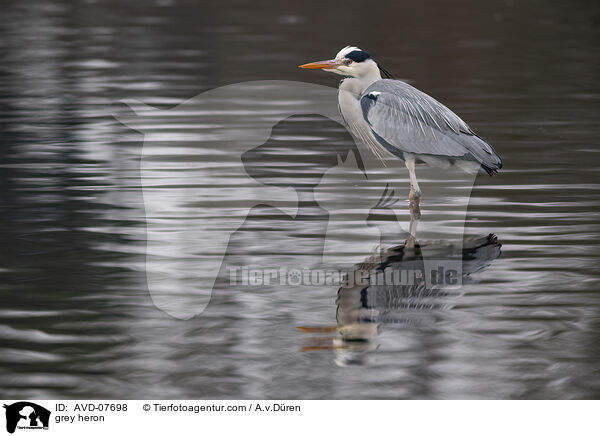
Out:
{"x": 77, "y": 320}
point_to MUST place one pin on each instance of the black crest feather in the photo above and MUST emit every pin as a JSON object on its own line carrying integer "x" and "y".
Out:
{"x": 358, "y": 56}
{"x": 361, "y": 56}
{"x": 385, "y": 72}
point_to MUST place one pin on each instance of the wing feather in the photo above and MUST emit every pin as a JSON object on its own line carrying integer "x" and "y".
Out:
{"x": 406, "y": 120}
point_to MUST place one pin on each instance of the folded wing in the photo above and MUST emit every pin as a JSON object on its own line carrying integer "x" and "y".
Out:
{"x": 406, "y": 120}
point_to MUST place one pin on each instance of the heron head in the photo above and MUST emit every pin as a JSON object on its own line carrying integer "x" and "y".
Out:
{"x": 350, "y": 61}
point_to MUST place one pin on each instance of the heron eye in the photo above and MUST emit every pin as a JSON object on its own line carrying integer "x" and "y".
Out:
{"x": 348, "y": 61}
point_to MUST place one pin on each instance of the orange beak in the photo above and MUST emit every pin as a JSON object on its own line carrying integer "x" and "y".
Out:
{"x": 322, "y": 65}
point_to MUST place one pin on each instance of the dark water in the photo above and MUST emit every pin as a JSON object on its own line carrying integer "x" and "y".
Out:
{"x": 77, "y": 318}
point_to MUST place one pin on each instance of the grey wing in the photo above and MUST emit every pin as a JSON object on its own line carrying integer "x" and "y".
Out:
{"x": 406, "y": 120}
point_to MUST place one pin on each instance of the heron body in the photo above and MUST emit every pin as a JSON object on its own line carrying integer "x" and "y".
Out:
{"x": 392, "y": 117}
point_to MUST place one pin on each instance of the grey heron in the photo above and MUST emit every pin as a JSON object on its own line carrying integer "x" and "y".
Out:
{"x": 391, "y": 116}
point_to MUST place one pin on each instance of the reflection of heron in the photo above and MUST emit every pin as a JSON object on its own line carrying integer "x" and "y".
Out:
{"x": 392, "y": 116}
{"x": 363, "y": 306}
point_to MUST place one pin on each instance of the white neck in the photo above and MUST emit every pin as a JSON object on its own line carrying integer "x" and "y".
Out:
{"x": 363, "y": 78}
{"x": 370, "y": 74}
{"x": 357, "y": 85}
